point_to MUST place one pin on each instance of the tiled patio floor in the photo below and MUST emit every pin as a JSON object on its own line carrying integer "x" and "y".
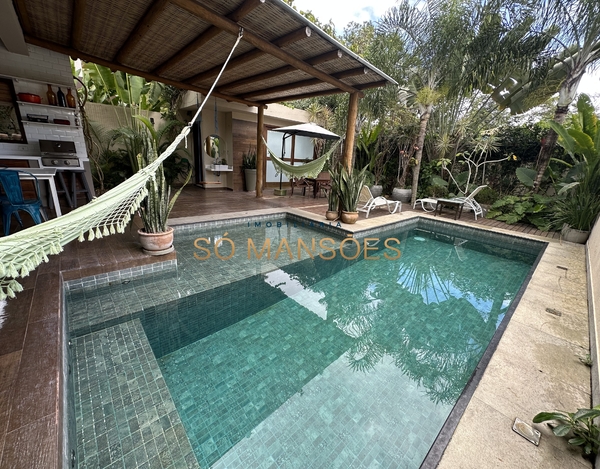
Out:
{"x": 535, "y": 367}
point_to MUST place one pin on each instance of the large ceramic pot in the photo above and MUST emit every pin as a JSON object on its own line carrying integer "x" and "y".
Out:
{"x": 331, "y": 214}
{"x": 403, "y": 195}
{"x": 574, "y": 236}
{"x": 157, "y": 244}
{"x": 349, "y": 217}
{"x": 250, "y": 178}
{"x": 376, "y": 190}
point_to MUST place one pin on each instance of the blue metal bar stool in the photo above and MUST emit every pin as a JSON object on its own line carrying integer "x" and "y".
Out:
{"x": 13, "y": 199}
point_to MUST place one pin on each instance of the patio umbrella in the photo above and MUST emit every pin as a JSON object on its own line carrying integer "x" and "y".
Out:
{"x": 309, "y": 129}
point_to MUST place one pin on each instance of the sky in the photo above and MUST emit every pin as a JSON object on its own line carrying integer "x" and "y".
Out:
{"x": 342, "y": 12}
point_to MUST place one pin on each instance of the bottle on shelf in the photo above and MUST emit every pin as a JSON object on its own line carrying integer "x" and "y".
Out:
{"x": 60, "y": 96}
{"x": 70, "y": 99}
{"x": 52, "y": 101}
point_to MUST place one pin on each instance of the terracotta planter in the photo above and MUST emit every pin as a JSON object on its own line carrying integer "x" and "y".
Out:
{"x": 574, "y": 236}
{"x": 157, "y": 244}
{"x": 349, "y": 217}
{"x": 331, "y": 214}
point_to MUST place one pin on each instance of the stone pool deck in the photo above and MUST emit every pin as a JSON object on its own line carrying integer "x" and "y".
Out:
{"x": 535, "y": 367}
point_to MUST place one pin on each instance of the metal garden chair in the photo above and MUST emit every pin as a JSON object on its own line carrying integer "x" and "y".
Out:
{"x": 13, "y": 200}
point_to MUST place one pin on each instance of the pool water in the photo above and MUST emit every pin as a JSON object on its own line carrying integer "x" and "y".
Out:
{"x": 329, "y": 363}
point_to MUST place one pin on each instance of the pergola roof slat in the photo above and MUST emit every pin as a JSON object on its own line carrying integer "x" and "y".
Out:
{"x": 184, "y": 42}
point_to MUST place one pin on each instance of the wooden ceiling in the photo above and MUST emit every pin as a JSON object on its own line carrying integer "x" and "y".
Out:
{"x": 282, "y": 56}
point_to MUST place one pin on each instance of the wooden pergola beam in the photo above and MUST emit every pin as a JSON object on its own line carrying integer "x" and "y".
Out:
{"x": 253, "y": 54}
{"x": 141, "y": 28}
{"x": 23, "y": 16}
{"x": 227, "y": 25}
{"x": 261, "y": 152}
{"x": 304, "y": 83}
{"x": 77, "y": 29}
{"x": 319, "y": 59}
{"x": 114, "y": 66}
{"x": 206, "y": 36}
{"x": 295, "y": 97}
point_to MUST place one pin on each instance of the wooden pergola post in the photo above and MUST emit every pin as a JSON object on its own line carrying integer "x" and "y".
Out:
{"x": 260, "y": 152}
{"x": 350, "y": 130}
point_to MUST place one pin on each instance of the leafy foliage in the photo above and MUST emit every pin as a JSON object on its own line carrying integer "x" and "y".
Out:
{"x": 534, "y": 209}
{"x": 349, "y": 185}
{"x": 579, "y": 427}
{"x": 249, "y": 159}
{"x": 141, "y": 144}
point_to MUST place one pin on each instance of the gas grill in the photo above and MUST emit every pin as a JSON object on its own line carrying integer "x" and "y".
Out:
{"x": 59, "y": 154}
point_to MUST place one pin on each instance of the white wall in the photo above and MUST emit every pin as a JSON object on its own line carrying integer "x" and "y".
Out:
{"x": 41, "y": 64}
{"x": 593, "y": 274}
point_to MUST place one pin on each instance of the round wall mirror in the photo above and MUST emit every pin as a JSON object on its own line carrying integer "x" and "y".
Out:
{"x": 213, "y": 147}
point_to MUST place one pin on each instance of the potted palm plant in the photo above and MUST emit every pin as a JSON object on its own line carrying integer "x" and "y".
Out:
{"x": 575, "y": 216}
{"x": 577, "y": 212}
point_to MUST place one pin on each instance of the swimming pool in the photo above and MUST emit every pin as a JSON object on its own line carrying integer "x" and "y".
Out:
{"x": 306, "y": 362}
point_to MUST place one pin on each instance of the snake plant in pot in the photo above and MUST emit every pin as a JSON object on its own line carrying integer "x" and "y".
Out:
{"x": 349, "y": 185}
{"x": 156, "y": 237}
{"x": 333, "y": 198}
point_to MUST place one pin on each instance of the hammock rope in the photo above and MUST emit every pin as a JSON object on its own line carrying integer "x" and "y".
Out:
{"x": 308, "y": 170}
{"x": 24, "y": 251}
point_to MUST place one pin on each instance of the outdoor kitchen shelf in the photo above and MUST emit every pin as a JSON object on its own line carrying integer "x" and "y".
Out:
{"x": 52, "y": 124}
{"x": 64, "y": 110}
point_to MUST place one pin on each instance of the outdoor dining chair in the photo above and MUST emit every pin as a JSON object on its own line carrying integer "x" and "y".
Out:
{"x": 300, "y": 183}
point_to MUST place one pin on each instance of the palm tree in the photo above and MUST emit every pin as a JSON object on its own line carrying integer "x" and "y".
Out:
{"x": 457, "y": 47}
{"x": 574, "y": 47}
{"x": 420, "y": 27}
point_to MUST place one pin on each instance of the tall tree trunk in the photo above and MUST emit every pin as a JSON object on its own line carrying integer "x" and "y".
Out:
{"x": 425, "y": 115}
{"x": 548, "y": 145}
{"x": 566, "y": 95}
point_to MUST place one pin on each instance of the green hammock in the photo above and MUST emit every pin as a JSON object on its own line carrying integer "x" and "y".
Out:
{"x": 108, "y": 214}
{"x": 308, "y": 170}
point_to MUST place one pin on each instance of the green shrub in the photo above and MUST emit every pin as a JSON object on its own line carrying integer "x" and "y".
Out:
{"x": 487, "y": 196}
{"x": 438, "y": 192}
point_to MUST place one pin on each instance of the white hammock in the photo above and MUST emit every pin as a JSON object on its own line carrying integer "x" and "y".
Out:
{"x": 108, "y": 214}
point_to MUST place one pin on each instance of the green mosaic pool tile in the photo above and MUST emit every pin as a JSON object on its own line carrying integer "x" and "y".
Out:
{"x": 89, "y": 309}
{"x": 234, "y": 388}
{"x": 125, "y": 416}
{"x": 338, "y": 421}
{"x": 431, "y": 313}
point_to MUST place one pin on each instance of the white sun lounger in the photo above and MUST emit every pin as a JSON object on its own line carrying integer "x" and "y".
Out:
{"x": 469, "y": 201}
{"x": 369, "y": 202}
